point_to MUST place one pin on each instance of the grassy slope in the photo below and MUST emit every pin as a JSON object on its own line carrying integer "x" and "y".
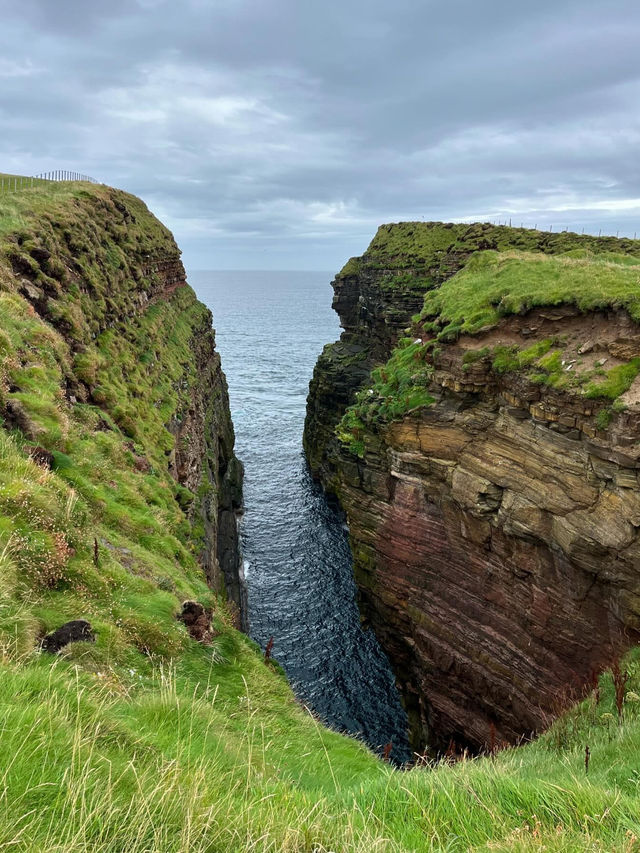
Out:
{"x": 8, "y": 182}
{"x": 508, "y": 278}
{"x": 495, "y": 284}
{"x": 139, "y": 372}
{"x": 147, "y": 741}
{"x": 430, "y": 245}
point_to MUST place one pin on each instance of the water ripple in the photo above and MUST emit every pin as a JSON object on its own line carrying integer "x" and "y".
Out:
{"x": 270, "y": 328}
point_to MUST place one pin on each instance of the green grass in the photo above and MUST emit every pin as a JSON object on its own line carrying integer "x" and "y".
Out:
{"x": 209, "y": 753}
{"x": 493, "y": 285}
{"x": 397, "y": 388}
{"x": 509, "y": 358}
{"x": 12, "y": 183}
{"x": 145, "y": 740}
{"x": 436, "y": 250}
{"x": 352, "y": 267}
{"x": 616, "y": 381}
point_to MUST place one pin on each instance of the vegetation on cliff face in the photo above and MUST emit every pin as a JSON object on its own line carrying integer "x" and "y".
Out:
{"x": 97, "y": 350}
{"x": 400, "y": 386}
{"x": 495, "y": 284}
{"x": 146, "y": 740}
{"x": 491, "y": 284}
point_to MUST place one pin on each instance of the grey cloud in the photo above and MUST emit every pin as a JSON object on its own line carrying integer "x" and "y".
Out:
{"x": 271, "y": 132}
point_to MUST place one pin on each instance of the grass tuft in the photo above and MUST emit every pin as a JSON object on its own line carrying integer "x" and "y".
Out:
{"x": 146, "y": 740}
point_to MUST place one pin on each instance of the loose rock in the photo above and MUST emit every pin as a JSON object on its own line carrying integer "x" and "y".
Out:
{"x": 197, "y": 620}
{"x": 76, "y": 631}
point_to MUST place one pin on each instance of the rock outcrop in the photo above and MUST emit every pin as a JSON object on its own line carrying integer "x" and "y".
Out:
{"x": 495, "y": 530}
{"x": 103, "y": 280}
{"x": 76, "y": 631}
{"x": 204, "y": 462}
{"x": 197, "y": 620}
{"x": 372, "y": 316}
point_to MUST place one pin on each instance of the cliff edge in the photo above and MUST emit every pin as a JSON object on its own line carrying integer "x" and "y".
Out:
{"x": 134, "y": 715}
{"x": 110, "y": 378}
{"x": 479, "y": 421}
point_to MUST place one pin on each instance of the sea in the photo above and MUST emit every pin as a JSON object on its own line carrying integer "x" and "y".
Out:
{"x": 270, "y": 328}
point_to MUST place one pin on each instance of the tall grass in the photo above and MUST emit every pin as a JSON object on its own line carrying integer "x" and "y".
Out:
{"x": 173, "y": 765}
{"x": 146, "y": 741}
{"x": 85, "y": 768}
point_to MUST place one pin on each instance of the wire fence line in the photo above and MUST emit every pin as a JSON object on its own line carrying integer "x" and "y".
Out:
{"x": 14, "y": 183}
{"x": 62, "y": 175}
{"x": 622, "y": 234}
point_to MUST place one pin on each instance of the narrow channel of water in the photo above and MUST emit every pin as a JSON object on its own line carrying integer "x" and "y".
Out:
{"x": 270, "y": 329}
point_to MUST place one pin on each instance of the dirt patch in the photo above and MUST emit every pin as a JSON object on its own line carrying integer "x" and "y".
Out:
{"x": 612, "y": 334}
{"x": 41, "y": 456}
{"x": 589, "y": 344}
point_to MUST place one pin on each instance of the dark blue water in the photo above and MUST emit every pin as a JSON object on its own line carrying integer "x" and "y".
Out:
{"x": 270, "y": 329}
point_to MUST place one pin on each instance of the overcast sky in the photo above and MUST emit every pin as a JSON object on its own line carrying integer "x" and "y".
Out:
{"x": 279, "y": 133}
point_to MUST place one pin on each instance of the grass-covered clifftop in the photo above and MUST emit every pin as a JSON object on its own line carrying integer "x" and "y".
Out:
{"x": 472, "y": 278}
{"x": 437, "y": 246}
{"x": 114, "y": 423}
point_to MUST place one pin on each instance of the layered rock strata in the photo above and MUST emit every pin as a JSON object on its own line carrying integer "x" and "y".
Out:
{"x": 204, "y": 454}
{"x": 494, "y": 532}
{"x": 372, "y": 317}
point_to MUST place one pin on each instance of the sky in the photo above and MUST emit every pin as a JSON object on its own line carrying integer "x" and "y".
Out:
{"x": 278, "y": 134}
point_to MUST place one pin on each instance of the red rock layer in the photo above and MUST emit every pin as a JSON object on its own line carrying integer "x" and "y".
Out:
{"x": 494, "y": 533}
{"x": 497, "y": 549}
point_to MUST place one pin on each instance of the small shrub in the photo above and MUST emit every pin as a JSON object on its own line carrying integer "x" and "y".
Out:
{"x": 61, "y": 462}
{"x": 505, "y": 359}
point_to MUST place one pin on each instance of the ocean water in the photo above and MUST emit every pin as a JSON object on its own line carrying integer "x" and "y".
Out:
{"x": 270, "y": 329}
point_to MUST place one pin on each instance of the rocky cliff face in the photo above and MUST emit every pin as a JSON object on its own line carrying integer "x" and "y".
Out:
{"x": 494, "y": 527}
{"x": 103, "y": 279}
{"x": 203, "y": 461}
{"x": 372, "y": 317}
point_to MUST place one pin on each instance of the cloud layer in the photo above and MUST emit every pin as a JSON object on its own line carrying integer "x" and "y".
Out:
{"x": 276, "y": 134}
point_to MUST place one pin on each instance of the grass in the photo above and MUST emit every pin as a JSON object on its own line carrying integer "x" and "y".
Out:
{"x": 209, "y": 753}
{"x": 493, "y": 285}
{"x": 434, "y": 251}
{"x": 20, "y": 183}
{"x": 146, "y": 740}
{"x": 397, "y": 388}
{"x": 616, "y": 381}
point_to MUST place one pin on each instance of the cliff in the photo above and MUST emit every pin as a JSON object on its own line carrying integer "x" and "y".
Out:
{"x": 107, "y": 353}
{"x": 131, "y": 702}
{"x": 134, "y": 715}
{"x": 489, "y": 468}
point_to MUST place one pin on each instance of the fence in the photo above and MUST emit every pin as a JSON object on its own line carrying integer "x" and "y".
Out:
{"x": 13, "y": 183}
{"x": 564, "y": 229}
